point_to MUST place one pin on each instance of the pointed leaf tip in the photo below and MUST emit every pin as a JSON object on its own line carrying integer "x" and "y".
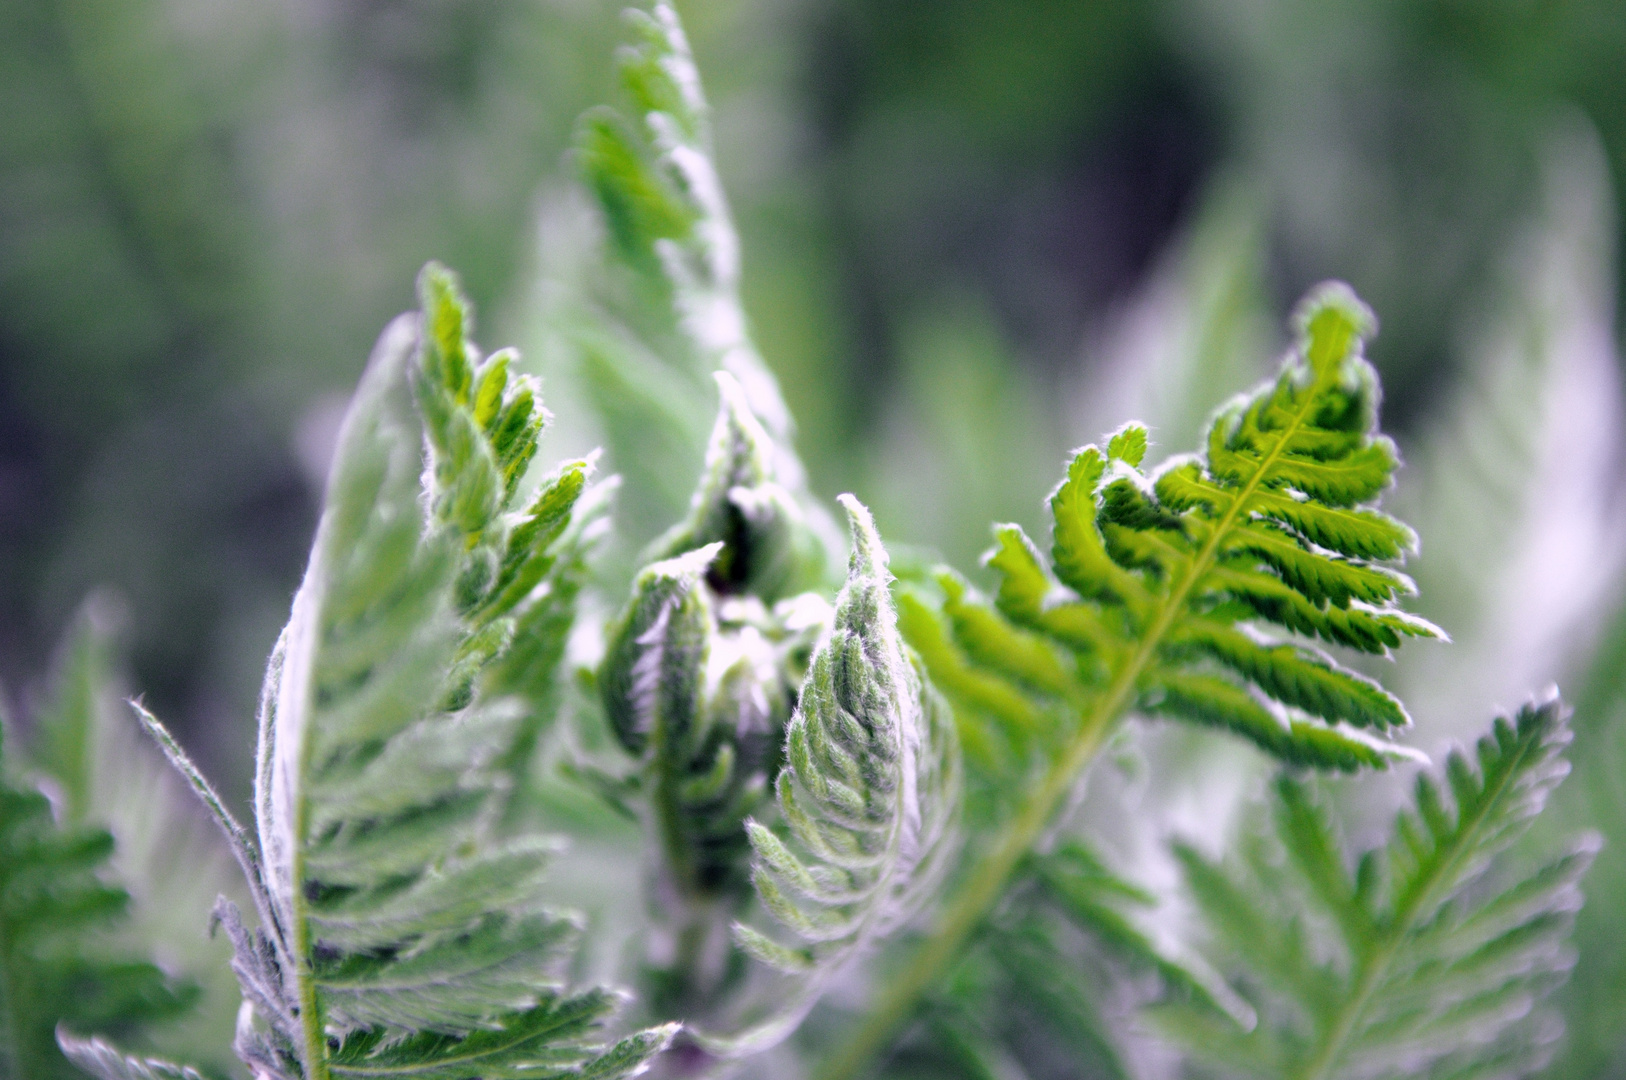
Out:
{"x": 690, "y": 564}
{"x": 869, "y": 555}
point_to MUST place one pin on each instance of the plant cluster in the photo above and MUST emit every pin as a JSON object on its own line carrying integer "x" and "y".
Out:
{"x": 844, "y": 795}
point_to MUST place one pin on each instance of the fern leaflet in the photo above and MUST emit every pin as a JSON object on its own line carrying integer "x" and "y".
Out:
{"x": 1437, "y": 953}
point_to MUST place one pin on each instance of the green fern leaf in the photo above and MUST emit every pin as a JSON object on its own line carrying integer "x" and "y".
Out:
{"x": 1166, "y": 593}
{"x": 1438, "y": 954}
{"x": 868, "y": 792}
{"x": 1042, "y": 975}
{"x": 101, "y": 772}
{"x": 1160, "y": 579}
{"x": 402, "y": 929}
{"x": 58, "y": 964}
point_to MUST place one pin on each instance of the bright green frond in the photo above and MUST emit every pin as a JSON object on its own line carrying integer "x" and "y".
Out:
{"x": 1174, "y": 573}
{"x": 1159, "y": 598}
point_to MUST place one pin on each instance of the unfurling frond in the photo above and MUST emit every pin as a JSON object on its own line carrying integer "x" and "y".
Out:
{"x": 868, "y": 792}
{"x": 1428, "y": 959}
{"x": 664, "y": 206}
{"x": 668, "y": 314}
{"x": 401, "y": 927}
{"x": 700, "y": 677}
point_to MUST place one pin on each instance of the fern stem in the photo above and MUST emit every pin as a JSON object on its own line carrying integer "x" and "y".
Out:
{"x": 310, "y": 1017}
{"x": 1375, "y": 965}
{"x": 987, "y": 883}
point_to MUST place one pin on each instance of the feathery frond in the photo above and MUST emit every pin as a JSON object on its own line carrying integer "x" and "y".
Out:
{"x": 59, "y": 963}
{"x": 101, "y": 771}
{"x": 869, "y": 792}
{"x": 1428, "y": 959}
{"x": 402, "y": 929}
{"x": 1046, "y": 974}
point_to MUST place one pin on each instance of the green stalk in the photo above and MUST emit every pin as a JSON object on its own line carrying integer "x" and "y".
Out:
{"x": 310, "y": 1016}
{"x": 989, "y": 880}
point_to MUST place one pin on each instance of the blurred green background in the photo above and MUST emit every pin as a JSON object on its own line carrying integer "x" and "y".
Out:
{"x": 976, "y": 233}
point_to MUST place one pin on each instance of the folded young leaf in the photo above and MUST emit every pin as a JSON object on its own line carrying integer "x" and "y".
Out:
{"x": 698, "y": 682}
{"x": 1429, "y": 959}
{"x": 869, "y": 791}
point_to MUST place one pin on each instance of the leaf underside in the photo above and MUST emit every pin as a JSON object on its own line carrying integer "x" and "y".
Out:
{"x": 867, "y": 795}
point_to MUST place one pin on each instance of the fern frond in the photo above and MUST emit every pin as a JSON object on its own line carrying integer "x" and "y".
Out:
{"x": 868, "y": 791}
{"x": 1046, "y": 974}
{"x": 1159, "y": 597}
{"x": 101, "y": 772}
{"x": 1157, "y": 582}
{"x": 59, "y": 963}
{"x": 670, "y": 313}
{"x": 1429, "y": 958}
{"x": 402, "y": 928}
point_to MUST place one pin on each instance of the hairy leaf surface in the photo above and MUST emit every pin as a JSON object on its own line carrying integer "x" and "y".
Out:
{"x": 869, "y": 792}
{"x": 402, "y": 929}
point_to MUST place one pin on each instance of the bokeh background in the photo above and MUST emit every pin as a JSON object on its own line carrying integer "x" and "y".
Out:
{"x": 976, "y": 233}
